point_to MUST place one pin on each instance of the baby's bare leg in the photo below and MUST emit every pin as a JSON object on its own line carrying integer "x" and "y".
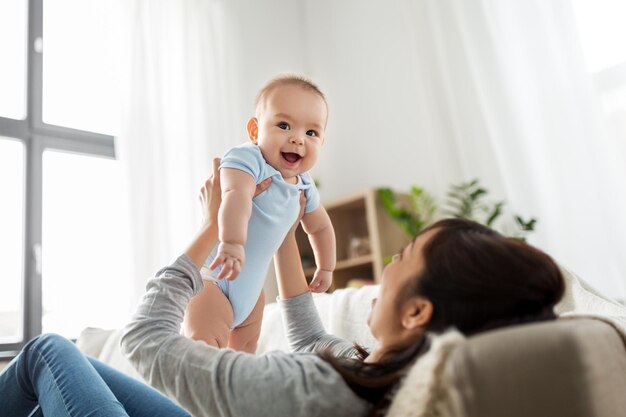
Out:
{"x": 209, "y": 316}
{"x": 245, "y": 336}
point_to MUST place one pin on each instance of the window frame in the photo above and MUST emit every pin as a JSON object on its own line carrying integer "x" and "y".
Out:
{"x": 37, "y": 136}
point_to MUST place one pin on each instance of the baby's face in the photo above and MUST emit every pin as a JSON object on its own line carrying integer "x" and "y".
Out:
{"x": 290, "y": 129}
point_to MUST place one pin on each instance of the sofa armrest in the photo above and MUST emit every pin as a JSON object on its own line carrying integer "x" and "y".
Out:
{"x": 574, "y": 368}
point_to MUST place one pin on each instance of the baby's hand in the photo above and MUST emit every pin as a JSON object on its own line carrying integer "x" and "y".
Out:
{"x": 232, "y": 256}
{"x": 321, "y": 281}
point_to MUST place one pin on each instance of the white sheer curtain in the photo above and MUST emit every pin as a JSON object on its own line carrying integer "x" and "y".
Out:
{"x": 517, "y": 103}
{"x": 175, "y": 115}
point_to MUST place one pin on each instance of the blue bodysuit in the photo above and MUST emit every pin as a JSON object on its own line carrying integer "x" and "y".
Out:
{"x": 274, "y": 211}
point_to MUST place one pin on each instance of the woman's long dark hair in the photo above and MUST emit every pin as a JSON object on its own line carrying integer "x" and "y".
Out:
{"x": 477, "y": 280}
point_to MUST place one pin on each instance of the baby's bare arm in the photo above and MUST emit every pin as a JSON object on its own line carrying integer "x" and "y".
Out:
{"x": 318, "y": 226}
{"x": 238, "y": 190}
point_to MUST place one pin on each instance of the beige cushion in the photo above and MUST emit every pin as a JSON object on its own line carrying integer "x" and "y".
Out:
{"x": 104, "y": 345}
{"x": 574, "y": 368}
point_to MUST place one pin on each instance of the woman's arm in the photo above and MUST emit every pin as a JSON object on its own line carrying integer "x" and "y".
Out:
{"x": 210, "y": 200}
{"x": 289, "y": 272}
{"x": 303, "y": 326}
{"x": 209, "y": 381}
{"x": 221, "y": 382}
{"x": 318, "y": 226}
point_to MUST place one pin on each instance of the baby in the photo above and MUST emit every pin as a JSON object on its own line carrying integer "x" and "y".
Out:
{"x": 286, "y": 134}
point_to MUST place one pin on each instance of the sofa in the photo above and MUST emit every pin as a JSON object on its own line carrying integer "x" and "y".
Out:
{"x": 574, "y": 366}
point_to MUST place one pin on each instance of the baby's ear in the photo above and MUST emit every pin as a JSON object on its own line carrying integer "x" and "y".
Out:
{"x": 253, "y": 130}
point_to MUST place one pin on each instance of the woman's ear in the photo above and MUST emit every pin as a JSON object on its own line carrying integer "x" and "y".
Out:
{"x": 253, "y": 130}
{"x": 417, "y": 313}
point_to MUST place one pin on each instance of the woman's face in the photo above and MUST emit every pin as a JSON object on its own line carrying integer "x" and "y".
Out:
{"x": 385, "y": 319}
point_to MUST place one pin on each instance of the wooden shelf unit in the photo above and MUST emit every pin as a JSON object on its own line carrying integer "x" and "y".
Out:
{"x": 359, "y": 215}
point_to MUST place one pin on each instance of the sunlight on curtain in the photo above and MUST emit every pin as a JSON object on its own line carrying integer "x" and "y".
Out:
{"x": 602, "y": 33}
{"x": 512, "y": 94}
{"x": 85, "y": 245}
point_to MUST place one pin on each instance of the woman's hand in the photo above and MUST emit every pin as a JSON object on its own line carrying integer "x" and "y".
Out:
{"x": 211, "y": 194}
{"x": 302, "y": 201}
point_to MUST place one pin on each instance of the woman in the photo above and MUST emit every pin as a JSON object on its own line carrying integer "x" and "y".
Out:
{"x": 456, "y": 273}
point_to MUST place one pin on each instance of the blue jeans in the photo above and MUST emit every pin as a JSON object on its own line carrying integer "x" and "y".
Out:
{"x": 52, "y": 377}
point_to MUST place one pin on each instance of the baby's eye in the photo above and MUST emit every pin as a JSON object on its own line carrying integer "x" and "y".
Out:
{"x": 283, "y": 125}
{"x": 312, "y": 133}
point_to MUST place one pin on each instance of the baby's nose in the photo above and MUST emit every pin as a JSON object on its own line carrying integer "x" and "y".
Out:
{"x": 295, "y": 139}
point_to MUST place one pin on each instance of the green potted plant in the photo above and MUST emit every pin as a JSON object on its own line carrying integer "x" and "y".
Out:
{"x": 464, "y": 200}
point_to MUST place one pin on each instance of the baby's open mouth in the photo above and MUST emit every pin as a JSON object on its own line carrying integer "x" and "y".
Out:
{"x": 291, "y": 157}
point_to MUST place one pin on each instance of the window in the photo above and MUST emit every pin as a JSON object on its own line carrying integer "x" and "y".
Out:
{"x": 64, "y": 244}
{"x": 602, "y": 32}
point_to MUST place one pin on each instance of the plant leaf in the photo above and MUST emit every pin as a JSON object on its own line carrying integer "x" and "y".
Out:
{"x": 495, "y": 213}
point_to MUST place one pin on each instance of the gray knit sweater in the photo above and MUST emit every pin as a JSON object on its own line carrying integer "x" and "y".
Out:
{"x": 221, "y": 382}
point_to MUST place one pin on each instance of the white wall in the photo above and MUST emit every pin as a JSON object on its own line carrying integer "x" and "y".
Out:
{"x": 368, "y": 73}
{"x": 365, "y": 60}
{"x": 259, "y": 40}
